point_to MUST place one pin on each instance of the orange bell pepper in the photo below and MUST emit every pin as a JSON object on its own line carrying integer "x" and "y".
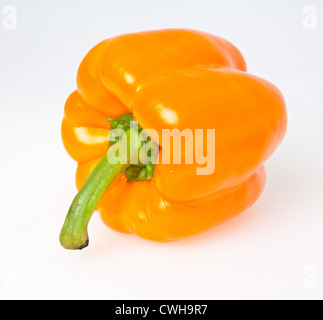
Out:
{"x": 168, "y": 79}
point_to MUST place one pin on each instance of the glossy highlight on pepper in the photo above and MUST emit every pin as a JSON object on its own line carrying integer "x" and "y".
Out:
{"x": 169, "y": 79}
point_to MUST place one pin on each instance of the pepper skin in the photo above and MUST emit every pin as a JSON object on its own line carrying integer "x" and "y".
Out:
{"x": 175, "y": 79}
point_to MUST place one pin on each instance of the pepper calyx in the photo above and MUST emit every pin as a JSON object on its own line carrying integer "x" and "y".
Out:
{"x": 144, "y": 169}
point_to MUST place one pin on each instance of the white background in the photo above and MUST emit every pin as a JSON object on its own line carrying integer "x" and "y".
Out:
{"x": 273, "y": 251}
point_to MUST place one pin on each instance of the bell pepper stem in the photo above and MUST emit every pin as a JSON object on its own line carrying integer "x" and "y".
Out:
{"x": 74, "y": 235}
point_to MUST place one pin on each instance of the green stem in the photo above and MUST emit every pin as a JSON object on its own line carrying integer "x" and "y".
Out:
{"x": 74, "y": 235}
